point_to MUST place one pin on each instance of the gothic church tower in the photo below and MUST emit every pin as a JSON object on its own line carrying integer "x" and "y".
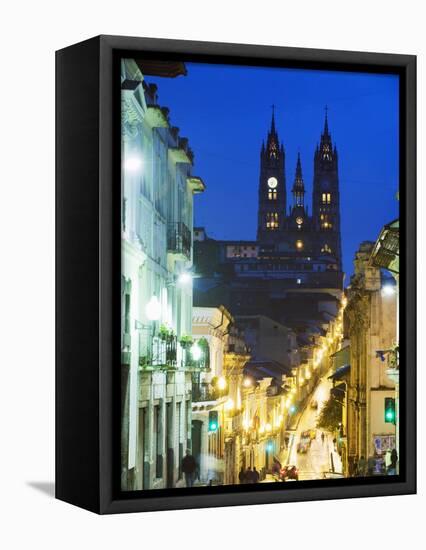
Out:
{"x": 326, "y": 198}
{"x": 272, "y": 188}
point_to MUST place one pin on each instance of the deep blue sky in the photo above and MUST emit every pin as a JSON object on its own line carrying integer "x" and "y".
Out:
{"x": 225, "y": 111}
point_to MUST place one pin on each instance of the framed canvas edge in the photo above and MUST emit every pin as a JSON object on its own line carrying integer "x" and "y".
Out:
{"x": 405, "y": 65}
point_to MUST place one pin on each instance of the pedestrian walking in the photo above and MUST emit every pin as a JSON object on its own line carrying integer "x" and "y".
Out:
{"x": 189, "y": 466}
{"x": 387, "y": 459}
{"x": 371, "y": 465}
{"x": 255, "y": 475}
{"x": 276, "y": 467}
{"x": 322, "y": 437}
{"x": 249, "y": 475}
{"x": 394, "y": 459}
{"x": 362, "y": 465}
{"x": 242, "y": 476}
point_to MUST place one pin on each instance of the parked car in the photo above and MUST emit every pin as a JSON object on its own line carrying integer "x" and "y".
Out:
{"x": 289, "y": 473}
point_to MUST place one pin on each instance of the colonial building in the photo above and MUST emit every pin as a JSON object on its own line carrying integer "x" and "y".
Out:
{"x": 370, "y": 326}
{"x": 156, "y": 221}
{"x": 216, "y": 448}
{"x": 385, "y": 255}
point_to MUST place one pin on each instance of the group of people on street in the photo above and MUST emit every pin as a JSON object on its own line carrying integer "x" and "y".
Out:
{"x": 383, "y": 464}
{"x": 248, "y": 475}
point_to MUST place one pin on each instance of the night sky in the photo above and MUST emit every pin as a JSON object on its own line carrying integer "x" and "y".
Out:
{"x": 225, "y": 111}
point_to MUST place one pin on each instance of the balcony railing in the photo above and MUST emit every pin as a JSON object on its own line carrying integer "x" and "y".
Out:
{"x": 202, "y": 391}
{"x": 162, "y": 354}
{"x": 179, "y": 239}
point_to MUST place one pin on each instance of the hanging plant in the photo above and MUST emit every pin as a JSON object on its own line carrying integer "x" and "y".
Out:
{"x": 186, "y": 341}
{"x": 164, "y": 332}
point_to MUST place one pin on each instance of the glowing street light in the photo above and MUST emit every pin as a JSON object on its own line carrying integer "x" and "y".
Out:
{"x": 185, "y": 278}
{"x": 247, "y": 382}
{"x": 221, "y": 383}
{"x": 153, "y": 309}
{"x": 196, "y": 352}
{"x": 132, "y": 163}
{"x": 388, "y": 290}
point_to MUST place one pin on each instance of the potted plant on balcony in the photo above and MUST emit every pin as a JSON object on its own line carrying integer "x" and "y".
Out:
{"x": 164, "y": 333}
{"x": 186, "y": 341}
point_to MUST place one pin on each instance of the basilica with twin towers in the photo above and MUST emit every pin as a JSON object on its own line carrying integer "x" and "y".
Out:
{"x": 294, "y": 265}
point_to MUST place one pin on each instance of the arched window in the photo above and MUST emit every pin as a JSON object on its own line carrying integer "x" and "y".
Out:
{"x": 272, "y": 220}
{"x": 326, "y": 249}
{"x": 326, "y": 222}
{"x": 326, "y": 198}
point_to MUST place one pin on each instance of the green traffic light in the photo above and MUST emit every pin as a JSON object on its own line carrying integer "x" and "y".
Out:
{"x": 213, "y": 423}
{"x": 390, "y": 415}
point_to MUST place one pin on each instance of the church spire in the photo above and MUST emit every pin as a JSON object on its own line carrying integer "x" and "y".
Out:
{"x": 273, "y": 131}
{"x": 326, "y": 133}
{"x": 325, "y": 151}
{"x": 273, "y": 144}
{"x": 298, "y": 185}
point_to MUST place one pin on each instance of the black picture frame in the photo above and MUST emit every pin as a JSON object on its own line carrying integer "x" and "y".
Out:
{"x": 88, "y": 273}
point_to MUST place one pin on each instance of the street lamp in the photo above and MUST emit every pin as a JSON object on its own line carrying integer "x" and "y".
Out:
{"x": 185, "y": 278}
{"x": 388, "y": 290}
{"x": 132, "y": 163}
{"x": 247, "y": 383}
{"x": 196, "y": 352}
{"x": 221, "y": 383}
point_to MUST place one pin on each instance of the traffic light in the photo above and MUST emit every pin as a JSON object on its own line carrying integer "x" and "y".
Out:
{"x": 390, "y": 416}
{"x": 213, "y": 421}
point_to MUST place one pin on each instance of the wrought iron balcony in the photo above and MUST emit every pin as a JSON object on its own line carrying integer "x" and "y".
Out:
{"x": 161, "y": 354}
{"x": 202, "y": 391}
{"x": 179, "y": 240}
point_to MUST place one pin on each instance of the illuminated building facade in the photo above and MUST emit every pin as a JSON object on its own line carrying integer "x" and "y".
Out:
{"x": 156, "y": 291}
{"x": 370, "y": 325}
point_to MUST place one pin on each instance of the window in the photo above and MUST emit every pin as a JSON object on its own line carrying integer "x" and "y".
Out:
{"x": 326, "y": 249}
{"x": 326, "y": 198}
{"x": 127, "y": 313}
{"x": 272, "y": 220}
{"x": 326, "y": 152}
{"x": 157, "y": 433}
{"x": 326, "y": 222}
{"x": 272, "y": 194}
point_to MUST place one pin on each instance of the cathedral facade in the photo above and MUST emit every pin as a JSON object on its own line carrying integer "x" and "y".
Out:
{"x": 293, "y": 269}
{"x": 285, "y": 228}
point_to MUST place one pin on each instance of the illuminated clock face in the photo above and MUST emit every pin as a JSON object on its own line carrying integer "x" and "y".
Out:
{"x": 272, "y": 183}
{"x": 299, "y": 221}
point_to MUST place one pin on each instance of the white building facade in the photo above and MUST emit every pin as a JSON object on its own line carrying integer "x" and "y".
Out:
{"x": 157, "y": 190}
